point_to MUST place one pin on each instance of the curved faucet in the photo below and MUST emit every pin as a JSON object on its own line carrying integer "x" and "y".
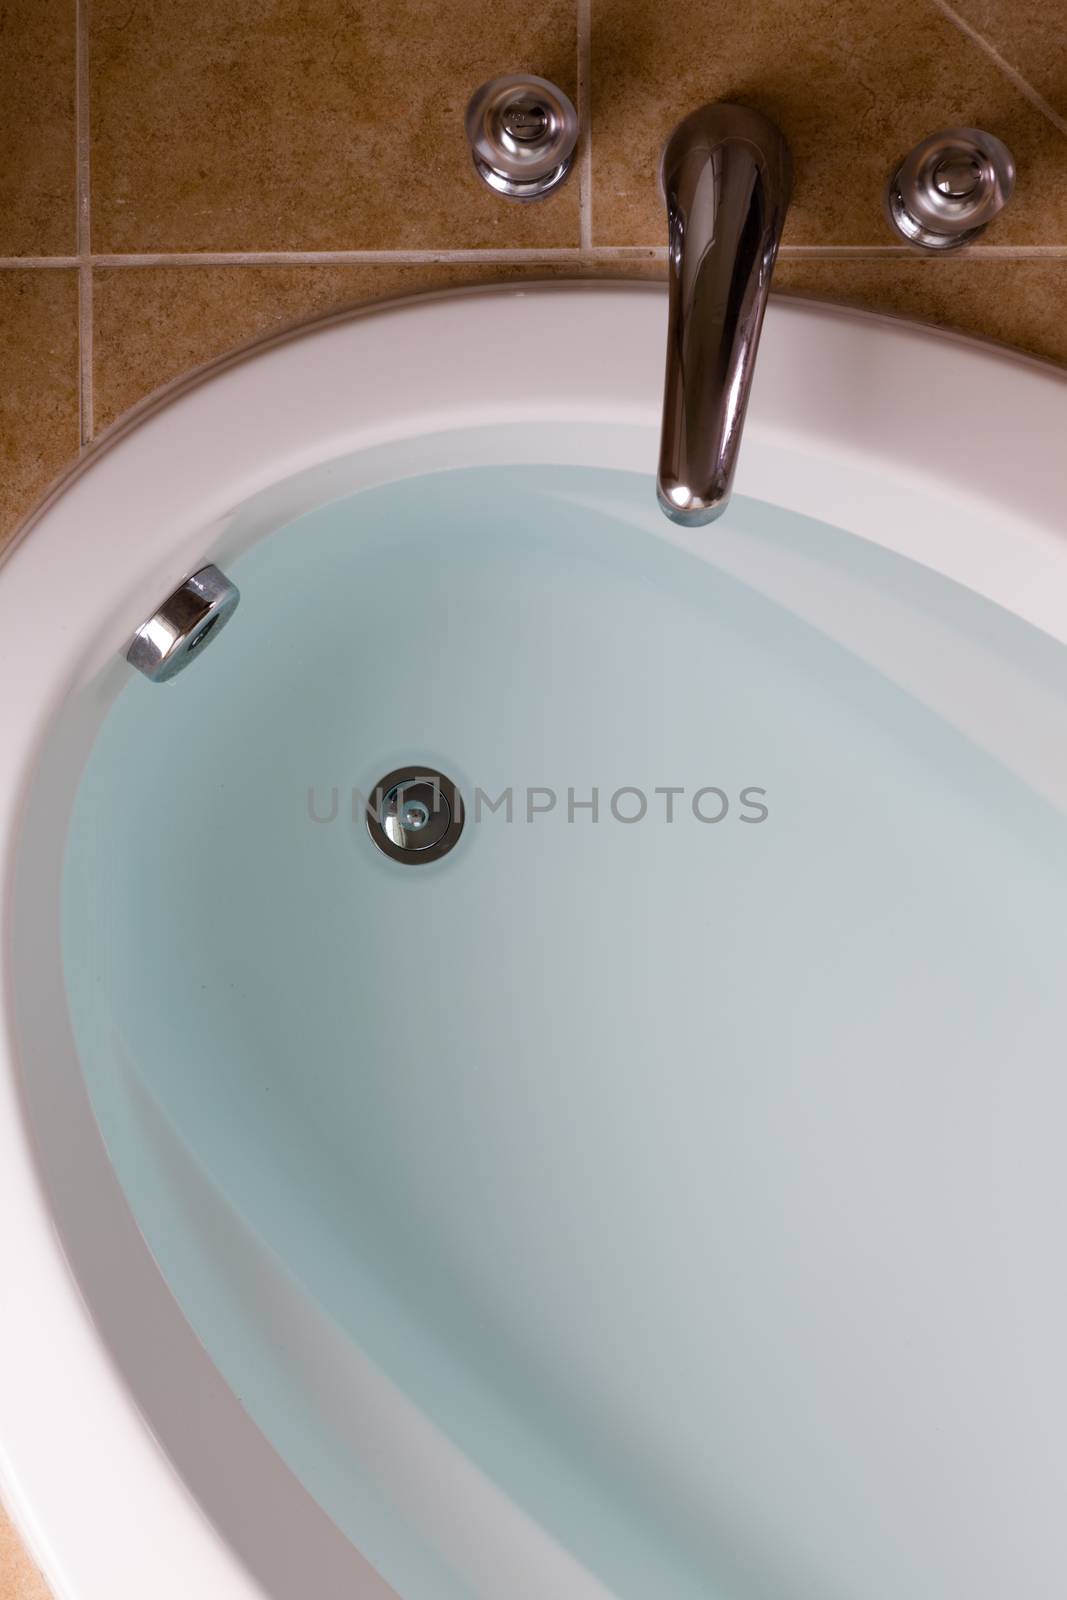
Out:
{"x": 726, "y": 174}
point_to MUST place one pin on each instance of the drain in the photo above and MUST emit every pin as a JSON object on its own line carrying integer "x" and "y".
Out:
{"x": 415, "y": 815}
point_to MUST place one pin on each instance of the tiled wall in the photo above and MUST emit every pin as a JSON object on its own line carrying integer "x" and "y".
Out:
{"x": 177, "y": 176}
{"x": 19, "y": 1580}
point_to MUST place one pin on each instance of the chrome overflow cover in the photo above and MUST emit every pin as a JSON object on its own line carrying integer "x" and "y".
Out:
{"x": 522, "y": 133}
{"x": 174, "y": 635}
{"x": 415, "y": 815}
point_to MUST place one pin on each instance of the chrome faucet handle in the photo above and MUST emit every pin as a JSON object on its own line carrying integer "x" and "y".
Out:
{"x": 949, "y": 188}
{"x": 522, "y": 133}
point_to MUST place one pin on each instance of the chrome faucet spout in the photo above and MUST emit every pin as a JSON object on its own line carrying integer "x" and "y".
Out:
{"x": 726, "y": 174}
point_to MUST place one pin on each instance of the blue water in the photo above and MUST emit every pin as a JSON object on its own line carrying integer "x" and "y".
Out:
{"x": 630, "y": 1152}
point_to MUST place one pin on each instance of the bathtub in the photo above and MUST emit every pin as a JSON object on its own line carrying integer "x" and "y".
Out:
{"x": 660, "y": 1194}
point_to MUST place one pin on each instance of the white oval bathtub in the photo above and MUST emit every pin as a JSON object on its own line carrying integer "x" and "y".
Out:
{"x": 661, "y": 1193}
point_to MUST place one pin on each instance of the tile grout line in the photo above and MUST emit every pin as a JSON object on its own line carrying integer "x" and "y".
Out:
{"x": 295, "y": 258}
{"x": 1026, "y": 89}
{"x": 585, "y": 125}
{"x": 339, "y": 258}
{"x": 85, "y": 259}
{"x": 85, "y": 354}
{"x": 904, "y": 252}
{"x": 605, "y": 253}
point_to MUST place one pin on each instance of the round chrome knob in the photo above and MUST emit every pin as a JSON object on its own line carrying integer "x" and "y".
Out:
{"x": 958, "y": 176}
{"x": 950, "y": 187}
{"x": 522, "y": 133}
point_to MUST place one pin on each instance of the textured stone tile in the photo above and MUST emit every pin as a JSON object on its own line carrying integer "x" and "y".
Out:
{"x": 39, "y": 426}
{"x": 852, "y": 84}
{"x": 310, "y": 124}
{"x": 37, "y": 133}
{"x": 19, "y": 1578}
{"x": 1031, "y": 36}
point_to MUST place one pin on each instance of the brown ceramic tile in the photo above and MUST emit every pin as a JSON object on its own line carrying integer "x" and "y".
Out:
{"x": 39, "y": 395}
{"x": 154, "y": 323}
{"x": 1014, "y": 302}
{"x": 1031, "y": 36}
{"x": 310, "y": 124}
{"x": 19, "y": 1578}
{"x": 37, "y": 136}
{"x": 852, "y": 83}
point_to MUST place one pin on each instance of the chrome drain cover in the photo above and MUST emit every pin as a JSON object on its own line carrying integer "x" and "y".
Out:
{"x": 415, "y": 815}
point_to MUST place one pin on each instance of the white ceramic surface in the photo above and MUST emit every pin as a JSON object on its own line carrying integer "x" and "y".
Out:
{"x": 128, "y": 1463}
